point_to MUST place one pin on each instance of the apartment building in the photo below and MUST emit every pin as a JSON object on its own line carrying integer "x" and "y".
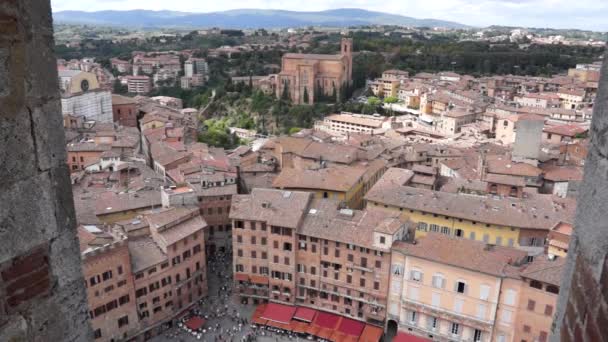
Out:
{"x": 138, "y": 84}
{"x": 447, "y": 289}
{"x": 169, "y": 266}
{"x": 384, "y": 87}
{"x": 503, "y": 221}
{"x": 289, "y": 248}
{"x": 344, "y": 123}
{"x": 344, "y": 183}
{"x": 106, "y": 267}
{"x": 540, "y": 281}
{"x": 81, "y": 155}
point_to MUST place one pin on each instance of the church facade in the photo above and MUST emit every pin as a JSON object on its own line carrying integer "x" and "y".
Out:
{"x": 307, "y": 76}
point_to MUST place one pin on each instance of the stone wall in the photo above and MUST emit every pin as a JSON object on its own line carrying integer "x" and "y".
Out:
{"x": 42, "y": 296}
{"x": 582, "y": 313}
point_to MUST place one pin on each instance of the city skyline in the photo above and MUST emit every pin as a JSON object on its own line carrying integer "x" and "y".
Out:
{"x": 584, "y": 14}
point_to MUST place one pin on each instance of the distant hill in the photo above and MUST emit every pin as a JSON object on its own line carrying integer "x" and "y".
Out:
{"x": 245, "y": 18}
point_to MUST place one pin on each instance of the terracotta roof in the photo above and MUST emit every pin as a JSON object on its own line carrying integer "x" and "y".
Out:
{"x": 464, "y": 253}
{"x": 336, "y": 178}
{"x": 122, "y": 100}
{"x": 357, "y": 120}
{"x": 564, "y": 173}
{"x": 563, "y": 228}
{"x": 110, "y": 202}
{"x": 505, "y": 179}
{"x": 87, "y": 147}
{"x": 569, "y": 130}
{"x": 538, "y": 212}
{"x": 145, "y": 253}
{"x": 324, "y": 220}
{"x": 275, "y": 207}
{"x": 545, "y": 270}
{"x": 505, "y": 166}
{"x": 313, "y": 56}
{"x": 172, "y": 225}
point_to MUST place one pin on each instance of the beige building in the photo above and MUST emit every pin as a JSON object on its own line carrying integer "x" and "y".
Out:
{"x": 314, "y": 73}
{"x": 344, "y": 123}
{"x": 138, "y": 84}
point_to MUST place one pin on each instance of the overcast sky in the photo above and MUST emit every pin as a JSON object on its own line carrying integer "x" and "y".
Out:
{"x": 583, "y": 14}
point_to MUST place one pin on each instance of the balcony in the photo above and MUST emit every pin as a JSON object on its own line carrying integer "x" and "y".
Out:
{"x": 463, "y": 319}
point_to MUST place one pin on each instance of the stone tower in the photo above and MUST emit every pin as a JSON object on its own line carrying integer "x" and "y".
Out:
{"x": 346, "y": 49}
{"x": 582, "y": 309}
{"x": 42, "y": 294}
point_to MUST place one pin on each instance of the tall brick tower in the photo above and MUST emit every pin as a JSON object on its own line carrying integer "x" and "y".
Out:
{"x": 346, "y": 49}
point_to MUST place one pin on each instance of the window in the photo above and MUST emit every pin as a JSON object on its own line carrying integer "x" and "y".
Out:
{"x": 413, "y": 317}
{"x": 382, "y": 240}
{"x": 416, "y": 275}
{"x": 378, "y": 264}
{"x": 484, "y": 292}
{"x": 119, "y": 269}
{"x": 455, "y": 328}
{"x": 97, "y": 334}
{"x": 107, "y": 275}
{"x": 122, "y": 321}
{"x": 433, "y": 323}
{"x": 362, "y": 282}
{"x": 458, "y": 304}
{"x": 123, "y": 300}
{"x": 481, "y": 311}
{"x": 527, "y": 328}
{"x": 422, "y": 226}
{"x": 445, "y": 230}
{"x": 363, "y": 262}
{"x": 436, "y": 299}
{"x": 460, "y": 286}
{"x": 263, "y": 241}
{"x": 552, "y": 289}
{"x": 376, "y": 285}
{"x": 413, "y": 293}
{"x": 548, "y": 310}
{"x": 350, "y": 257}
{"x": 506, "y": 316}
{"x": 477, "y": 335}
{"x": 531, "y": 305}
{"x": 510, "y": 297}
{"x": 542, "y": 337}
{"x": 438, "y": 281}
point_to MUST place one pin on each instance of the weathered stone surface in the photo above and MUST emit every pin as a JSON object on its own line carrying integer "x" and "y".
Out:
{"x": 581, "y": 310}
{"x": 42, "y": 296}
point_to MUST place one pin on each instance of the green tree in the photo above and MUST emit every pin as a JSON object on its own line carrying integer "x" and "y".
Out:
{"x": 305, "y": 96}
{"x": 391, "y": 99}
{"x": 285, "y": 94}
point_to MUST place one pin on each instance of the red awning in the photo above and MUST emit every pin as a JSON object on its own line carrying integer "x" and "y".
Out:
{"x": 305, "y": 314}
{"x": 256, "y": 279}
{"x": 351, "y": 327}
{"x": 299, "y": 327}
{"x": 405, "y": 337}
{"x": 326, "y": 320}
{"x": 195, "y": 323}
{"x": 279, "y": 313}
{"x": 371, "y": 334}
{"x": 241, "y": 277}
{"x": 255, "y": 318}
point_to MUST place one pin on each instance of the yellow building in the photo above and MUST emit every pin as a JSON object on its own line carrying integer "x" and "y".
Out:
{"x": 345, "y": 183}
{"x": 505, "y": 221}
{"x": 559, "y": 240}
